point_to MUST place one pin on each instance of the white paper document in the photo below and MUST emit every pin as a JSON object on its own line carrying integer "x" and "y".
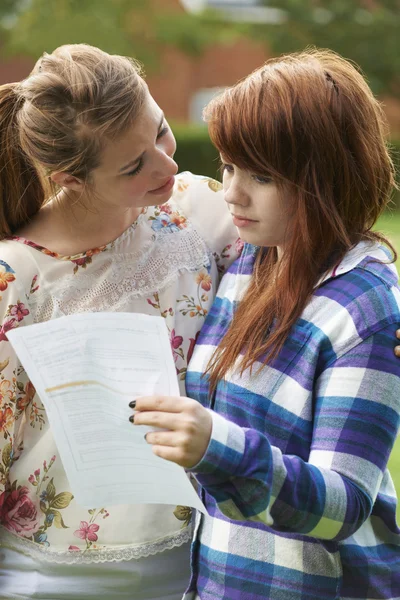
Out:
{"x": 86, "y": 369}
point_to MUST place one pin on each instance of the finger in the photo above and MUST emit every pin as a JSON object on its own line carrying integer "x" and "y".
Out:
{"x": 158, "y": 419}
{"x": 163, "y": 438}
{"x": 169, "y": 453}
{"x": 397, "y": 351}
{"x": 160, "y": 403}
{"x": 398, "y": 333}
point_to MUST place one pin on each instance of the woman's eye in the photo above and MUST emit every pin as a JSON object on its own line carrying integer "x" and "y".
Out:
{"x": 226, "y": 167}
{"x": 162, "y": 132}
{"x": 135, "y": 171}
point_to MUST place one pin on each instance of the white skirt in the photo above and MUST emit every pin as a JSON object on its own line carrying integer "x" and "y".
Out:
{"x": 163, "y": 576}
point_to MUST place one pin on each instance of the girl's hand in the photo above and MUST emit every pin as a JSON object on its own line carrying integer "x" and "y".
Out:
{"x": 188, "y": 426}
{"x": 397, "y": 348}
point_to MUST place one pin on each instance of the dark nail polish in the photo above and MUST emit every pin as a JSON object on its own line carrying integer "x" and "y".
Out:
{"x": 131, "y": 418}
{"x": 132, "y": 404}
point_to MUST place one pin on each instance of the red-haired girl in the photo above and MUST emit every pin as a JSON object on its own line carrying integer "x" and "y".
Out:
{"x": 295, "y": 384}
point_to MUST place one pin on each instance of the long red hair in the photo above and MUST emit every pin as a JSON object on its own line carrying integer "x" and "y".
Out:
{"x": 311, "y": 122}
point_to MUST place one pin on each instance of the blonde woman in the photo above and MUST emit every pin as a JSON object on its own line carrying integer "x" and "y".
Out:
{"x": 93, "y": 218}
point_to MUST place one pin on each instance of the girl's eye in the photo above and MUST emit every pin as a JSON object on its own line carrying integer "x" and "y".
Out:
{"x": 136, "y": 170}
{"x": 262, "y": 179}
{"x": 227, "y": 168}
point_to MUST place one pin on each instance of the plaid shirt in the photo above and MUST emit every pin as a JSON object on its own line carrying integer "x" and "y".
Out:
{"x": 301, "y": 505}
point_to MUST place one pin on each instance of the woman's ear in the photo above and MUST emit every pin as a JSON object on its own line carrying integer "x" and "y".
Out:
{"x": 65, "y": 180}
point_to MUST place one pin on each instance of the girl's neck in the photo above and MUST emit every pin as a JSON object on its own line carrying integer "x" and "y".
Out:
{"x": 68, "y": 225}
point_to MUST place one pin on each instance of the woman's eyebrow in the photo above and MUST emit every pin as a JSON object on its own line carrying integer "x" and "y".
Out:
{"x": 136, "y": 160}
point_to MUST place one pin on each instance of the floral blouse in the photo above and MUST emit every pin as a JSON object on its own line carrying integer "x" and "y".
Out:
{"x": 167, "y": 263}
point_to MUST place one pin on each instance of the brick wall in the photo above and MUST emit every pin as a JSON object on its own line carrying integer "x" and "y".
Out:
{"x": 14, "y": 70}
{"x": 180, "y": 76}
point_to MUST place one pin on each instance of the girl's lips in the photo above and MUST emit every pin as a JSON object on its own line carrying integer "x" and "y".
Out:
{"x": 164, "y": 188}
{"x": 242, "y": 222}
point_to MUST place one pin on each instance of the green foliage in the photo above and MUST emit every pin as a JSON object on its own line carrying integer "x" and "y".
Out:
{"x": 133, "y": 27}
{"x": 8, "y": 7}
{"x": 195, "y": 152}
{"x": 46, "y": 24}
{"x": 127, "y": 27}
{"x": 192, "y": 34}
{"x": 394, "y": 468}
{"x": 389, "y": 224}
{"x": 369, "y": 37}
{"x": 395, "y": 153}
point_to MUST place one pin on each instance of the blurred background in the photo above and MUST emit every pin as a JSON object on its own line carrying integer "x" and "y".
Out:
{"x": 191, "y": 49}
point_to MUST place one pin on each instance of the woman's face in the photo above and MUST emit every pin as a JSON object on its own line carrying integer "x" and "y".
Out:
{"x": 138, "y": 169}
{"x": 258, "y": 210}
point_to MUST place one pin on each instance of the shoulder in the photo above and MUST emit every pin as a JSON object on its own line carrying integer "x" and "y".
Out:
{"x": 17, "y": 270}
{"x": 17, "y": 254}
{"x": 353, "y": 305}
{"x": 188, "y": 183}
{"x": 368, "y": 292}
{"x": 200, "y": 199}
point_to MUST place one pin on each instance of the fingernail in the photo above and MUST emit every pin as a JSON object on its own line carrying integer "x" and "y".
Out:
{"x": 132, "y": 404}
{"x": 132, "y": 418}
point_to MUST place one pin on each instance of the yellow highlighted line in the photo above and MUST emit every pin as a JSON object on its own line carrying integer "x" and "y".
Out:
{"x": 64, "y": 386}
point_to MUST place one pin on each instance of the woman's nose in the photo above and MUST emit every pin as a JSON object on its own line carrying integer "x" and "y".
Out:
{"x": 167, "y": 165}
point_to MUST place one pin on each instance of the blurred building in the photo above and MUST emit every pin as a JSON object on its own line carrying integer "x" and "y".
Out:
{"x": 253, "y": 11}
{"x": 184, "y": 84}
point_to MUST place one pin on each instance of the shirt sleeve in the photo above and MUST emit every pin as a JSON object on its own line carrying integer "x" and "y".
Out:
{"x": 16, "y": 391}
{"x": 356, "y": 420}
{"x": 202, "y": 201}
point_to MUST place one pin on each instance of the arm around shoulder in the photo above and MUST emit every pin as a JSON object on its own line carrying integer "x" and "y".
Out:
{"x": 202, "y": 201}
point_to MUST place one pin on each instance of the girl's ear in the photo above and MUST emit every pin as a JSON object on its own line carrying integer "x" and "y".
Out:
{"x": 65, "y": 180}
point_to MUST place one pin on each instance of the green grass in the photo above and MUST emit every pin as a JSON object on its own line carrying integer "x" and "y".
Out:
{"x": 389, "y": 224}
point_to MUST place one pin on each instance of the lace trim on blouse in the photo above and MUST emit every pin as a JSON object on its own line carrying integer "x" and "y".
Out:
{"x": 38, "y": 552}
{"x": 112, "y": 282}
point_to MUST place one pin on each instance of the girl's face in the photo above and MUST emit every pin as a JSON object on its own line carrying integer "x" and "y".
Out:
{"x": 138, "y": 169}
{"x": 258, "y": 210}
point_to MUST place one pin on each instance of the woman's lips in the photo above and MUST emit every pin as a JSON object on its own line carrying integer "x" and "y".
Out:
{"x": 164, "y": 188}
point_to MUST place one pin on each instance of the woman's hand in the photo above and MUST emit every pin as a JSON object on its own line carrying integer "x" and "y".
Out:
{"x": 397, "y": 348}
{"x": 188, "y": 426}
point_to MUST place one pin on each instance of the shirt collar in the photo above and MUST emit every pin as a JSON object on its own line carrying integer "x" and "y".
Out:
{"x": 368, "y": 253}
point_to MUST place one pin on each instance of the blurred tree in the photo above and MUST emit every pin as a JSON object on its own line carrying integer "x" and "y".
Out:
{"x": 7, "y": 7}
{"x": 45, "y": 24}
{"x": 366, "y": 31}
{"x": 8, "y": 15}
{"x": 137, "y": 28}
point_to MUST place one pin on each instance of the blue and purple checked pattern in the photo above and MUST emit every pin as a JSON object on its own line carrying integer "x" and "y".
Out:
{"x": 301, "y": 505}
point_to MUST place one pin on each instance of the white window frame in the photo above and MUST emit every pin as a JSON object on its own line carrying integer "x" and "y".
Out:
{"x": 245, "y": 11}
{"x": 199, "y": 100}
